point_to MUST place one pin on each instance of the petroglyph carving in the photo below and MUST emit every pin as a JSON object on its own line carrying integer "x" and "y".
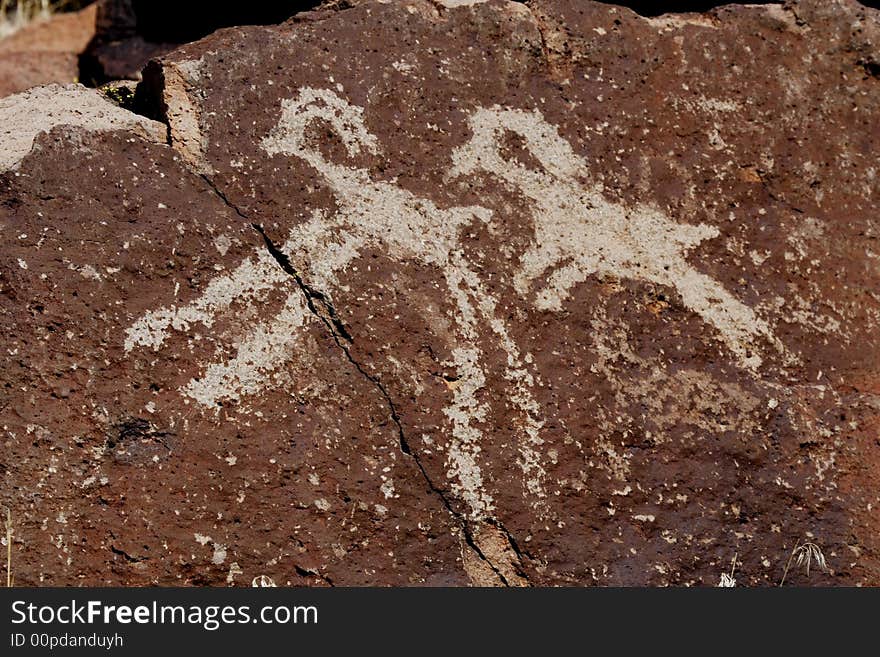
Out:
{"x": 259, "y": 354}
{"x": 374, "y": 214}
{"x": 382, "y": 215}
{"x": 577, "y": 234}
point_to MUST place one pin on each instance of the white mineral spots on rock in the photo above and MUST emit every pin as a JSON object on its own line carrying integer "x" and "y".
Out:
{"x": 219, "y": 555}
{"x": 222, "y": 244}
{"x": 402, "y": 66}
{"x": 798, "y": 309}
{"x": 710, "y": 105}
{"x": 234, "y": 570}
{"x": 387, "y": 487}
{"x": 805, "y": 233}
{"x": 40, "y": 109}
{"x": 578, "y": 233}
{"x": 88, "y": 272}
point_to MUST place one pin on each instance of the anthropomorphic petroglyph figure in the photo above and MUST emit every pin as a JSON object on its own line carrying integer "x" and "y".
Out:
{"x": 579, "y": 233}
{"x": 369, "y": 214}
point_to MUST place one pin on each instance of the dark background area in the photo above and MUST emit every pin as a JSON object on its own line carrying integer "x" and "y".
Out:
{"x": 193, "y": 19}
{"x": 196, "y": 18}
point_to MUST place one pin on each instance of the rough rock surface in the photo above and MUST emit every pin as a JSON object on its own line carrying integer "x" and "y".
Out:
{"x": 45, "y": 51}
{"x": 457, "y": 292}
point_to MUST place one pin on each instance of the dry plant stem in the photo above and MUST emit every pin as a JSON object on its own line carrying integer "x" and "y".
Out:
{"x": 788, "y": 565}
{"x": 8, "y": 548}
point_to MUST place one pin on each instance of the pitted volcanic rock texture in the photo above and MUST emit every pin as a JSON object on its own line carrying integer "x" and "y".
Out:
{"x": 451, "y": 293}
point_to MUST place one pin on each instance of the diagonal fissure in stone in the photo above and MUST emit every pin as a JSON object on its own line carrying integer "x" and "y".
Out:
{"x": 321, "y": 307}
{"x": 343, "y": 340}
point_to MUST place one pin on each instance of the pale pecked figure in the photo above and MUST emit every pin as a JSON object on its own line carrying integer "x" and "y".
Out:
{"x": 577, "y": 233}
{"x": 370, "y": 214}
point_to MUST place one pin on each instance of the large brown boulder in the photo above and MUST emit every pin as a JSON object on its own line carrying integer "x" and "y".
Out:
{"x": 457, "y": 292}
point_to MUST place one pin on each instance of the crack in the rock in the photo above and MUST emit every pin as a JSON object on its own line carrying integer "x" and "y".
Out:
{"x": 766, "y": 184}
{"x": 539, "y": 25}
{"x": 557, "y": 57}
{"x": 343, "y": 339}
{"x": 513, "y": 546}
{"x": 308, "y": 572}
{"x": 125, "y": 555}
{"x": 314, "y": 297}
